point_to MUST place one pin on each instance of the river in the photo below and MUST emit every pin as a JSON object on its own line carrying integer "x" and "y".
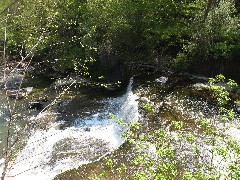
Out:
{"x": 80, "y": 131}
{"x": 66, "y": 144}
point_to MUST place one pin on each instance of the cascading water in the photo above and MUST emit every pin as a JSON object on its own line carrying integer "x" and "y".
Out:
{"x": 52, "y": 151}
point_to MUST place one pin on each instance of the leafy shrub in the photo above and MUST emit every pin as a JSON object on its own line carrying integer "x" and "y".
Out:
{"x": 213, "y": 37}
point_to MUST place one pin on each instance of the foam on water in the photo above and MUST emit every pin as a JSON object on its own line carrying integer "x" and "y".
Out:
{"x": 50, "y": 152}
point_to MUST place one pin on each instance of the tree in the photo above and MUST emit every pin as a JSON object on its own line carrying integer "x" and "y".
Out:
{"x": 213, "y": 37}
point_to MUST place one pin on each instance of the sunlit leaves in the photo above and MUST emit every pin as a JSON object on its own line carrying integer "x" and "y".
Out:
{"x": 122, "y": 168}
{"x": 148, "y": 106}
{"x": 205, "y": 123}
{"x": 214, "y": 33}
{"x": 109, "y": 163}
{"x": 111, "y": 116}
{"x": 139, "y": 176}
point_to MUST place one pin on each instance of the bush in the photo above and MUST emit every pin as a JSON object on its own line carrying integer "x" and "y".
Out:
{"x": 214, "y": 37}
{"x": 181, "y": 62}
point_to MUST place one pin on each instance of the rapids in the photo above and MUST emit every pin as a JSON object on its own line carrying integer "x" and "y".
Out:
{"x": 49, "y": 152}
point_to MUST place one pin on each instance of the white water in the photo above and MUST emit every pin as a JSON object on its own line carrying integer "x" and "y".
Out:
{"x": 50, "y": 152}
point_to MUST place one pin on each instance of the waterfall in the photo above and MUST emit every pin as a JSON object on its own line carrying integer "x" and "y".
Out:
{"x": 50, "y": 152}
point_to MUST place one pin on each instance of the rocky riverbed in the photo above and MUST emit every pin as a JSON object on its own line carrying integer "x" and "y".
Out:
{"x": 162, "y": 100}
{"x": 71, "y": 108}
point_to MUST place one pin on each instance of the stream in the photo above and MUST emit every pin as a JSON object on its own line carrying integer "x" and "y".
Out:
{"x": 80, "y": 132}
{"x": 66, "y": 144}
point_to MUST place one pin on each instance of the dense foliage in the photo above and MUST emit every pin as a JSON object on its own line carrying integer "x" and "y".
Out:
{"x": 213, "y": 37}
{"x": 73, "y": 33}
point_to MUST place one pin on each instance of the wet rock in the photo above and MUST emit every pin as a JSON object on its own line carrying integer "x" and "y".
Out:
{"x": 144, "y": 99}
{"x": 14, "y": 94}
{"x": 19, "y": 93}
{"x": 87, "y": 129}
{"x": 28, "y": 89}
{"x": 63, "y": 102}
{"x": 62, "y": 82}
{"x": 12, "y": 81}
{"x": 161, "y": 80}
{"x": 11, "y": 85}
{"x": 37, "y": 105}
{"x": 111, "y": 87}
{"x": 200, "y": 78}
{"x": 73, "y": 79}
{"x": 44, "y": 99}
{"x": 200, "y": 86}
